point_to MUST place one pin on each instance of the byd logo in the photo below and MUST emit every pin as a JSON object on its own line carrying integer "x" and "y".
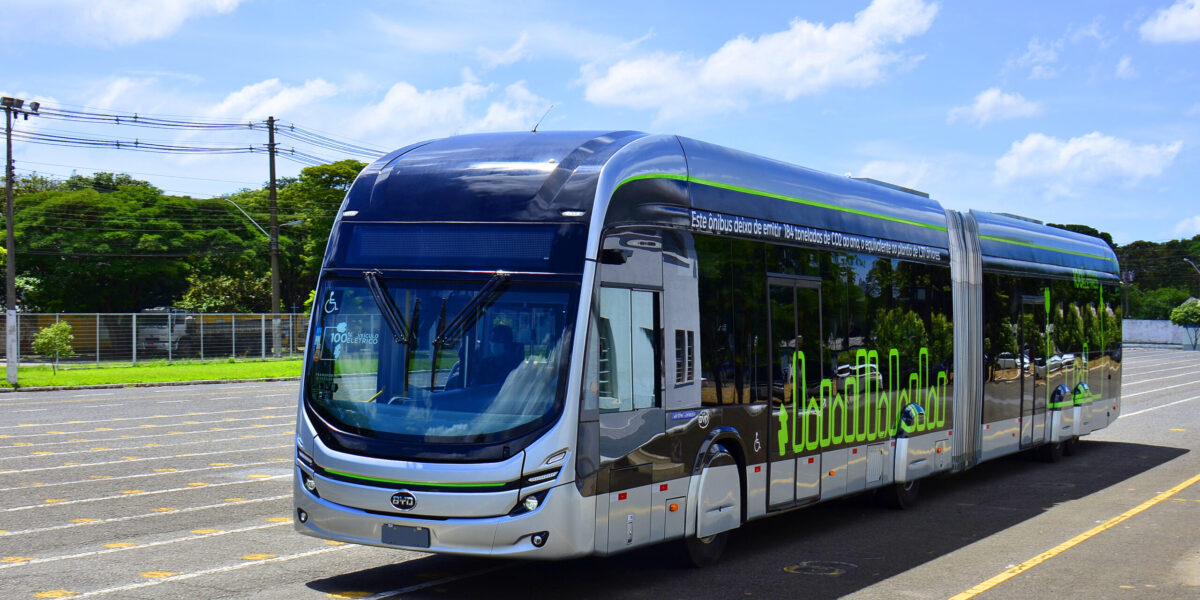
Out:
{"x": 404, "y": 500}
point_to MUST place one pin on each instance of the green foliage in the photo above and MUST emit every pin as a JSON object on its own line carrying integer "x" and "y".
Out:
{"x": 1156, "y": 303}
{"x": 240, "y": 292}
{"x": 1187, "y": 314}
{"x": 54, "y": 340}
{"x": 900, "y": 329}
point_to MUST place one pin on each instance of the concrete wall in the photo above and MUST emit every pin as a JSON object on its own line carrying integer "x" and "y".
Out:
{"x": 1145, "y": 331}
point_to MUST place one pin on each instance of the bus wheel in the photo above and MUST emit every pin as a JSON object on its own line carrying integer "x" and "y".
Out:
{"x": 902, "y": 495}
{"x": 1071, "y": 446}
{"x": 1052, "y": 452}
{"x": 706, "y": 551}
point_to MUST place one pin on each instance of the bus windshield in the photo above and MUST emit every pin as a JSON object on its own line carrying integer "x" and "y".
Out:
{"x": 474, "y": 362}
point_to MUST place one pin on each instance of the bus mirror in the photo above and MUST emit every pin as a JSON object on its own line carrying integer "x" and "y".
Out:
{"x": 612, "y": 256}
{"x": 910, "y": 417}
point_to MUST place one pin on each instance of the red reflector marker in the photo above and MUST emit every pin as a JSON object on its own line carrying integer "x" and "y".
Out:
{"x": 622, "y": 496}
{"x": 854, "y": 451}
{"x": 758, "y": 469}
{"x": 810, "y": 461}
{"x": 662, "y": 488}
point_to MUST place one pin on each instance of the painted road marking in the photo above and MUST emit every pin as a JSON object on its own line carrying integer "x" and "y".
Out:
{"x": 123, "y": 546}
{"x": 1190, "y": 372}
{"x": 173, "y": 456}
{"x": 152, "y": 425}
{"x": 1146, "y": 410}
{"x": 94, "y": 394}
{"x": 95, "y": 478}
{"x": 1170, "y": 387}
{"x": 1075, "y": 541}
{"x": 399, "y": 592}
{"x": 139, "y": 493}
{"x": 185, "y": 576}
{"x": 4, "y": 401}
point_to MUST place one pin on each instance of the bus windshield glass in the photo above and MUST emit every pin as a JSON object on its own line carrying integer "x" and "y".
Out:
{"x": 476, "y": 361}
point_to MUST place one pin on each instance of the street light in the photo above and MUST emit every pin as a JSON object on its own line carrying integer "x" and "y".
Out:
{"x": 273, "y": 241}
{"x": 1189, "y": 261}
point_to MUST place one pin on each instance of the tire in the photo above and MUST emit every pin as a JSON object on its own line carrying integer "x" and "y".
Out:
{"x": 1052, "y": 452}
{"x": 705, "y": 552}
{"x": 902, "y": 496}
{"x": 1071, "y": 447}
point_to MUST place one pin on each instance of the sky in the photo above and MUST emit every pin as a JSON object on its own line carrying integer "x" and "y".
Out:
{"x": 1067, "y": 112}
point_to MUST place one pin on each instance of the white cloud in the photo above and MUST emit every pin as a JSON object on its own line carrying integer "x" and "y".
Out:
{"x": 270, "y": 98}
{"x": 1063, "y": 166}
{"x": 994, "y": 105}
{"x": 1188, "y": 227}
{"x": 556, "y": 40}
{"x": 1125, "y": 68}
{"x": 407, "y": 114}
{"x": 807, "y": 58}
{"x": 104, "y": 22}
{"x": 1040, "y": 58}
{"x": 1178, "y": 23}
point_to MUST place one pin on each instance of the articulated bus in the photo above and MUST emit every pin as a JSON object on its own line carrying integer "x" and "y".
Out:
{"x": 556, "y": 344}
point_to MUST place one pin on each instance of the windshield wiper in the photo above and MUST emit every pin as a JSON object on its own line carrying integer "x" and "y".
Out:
{"x": 402, "y": 333}
{"x": 382, "y": 298}
{"x": 450, "y": 333}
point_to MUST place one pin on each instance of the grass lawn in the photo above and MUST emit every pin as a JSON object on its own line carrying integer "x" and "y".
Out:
{"x": 152, "y": 372}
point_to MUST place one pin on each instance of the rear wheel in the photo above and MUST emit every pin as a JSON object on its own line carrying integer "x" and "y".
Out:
{"x": 1052, "y": 452}
{"x": 902, "y": 495}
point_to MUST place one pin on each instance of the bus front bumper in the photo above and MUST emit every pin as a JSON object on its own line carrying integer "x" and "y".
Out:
{"x": 565, "y": 520}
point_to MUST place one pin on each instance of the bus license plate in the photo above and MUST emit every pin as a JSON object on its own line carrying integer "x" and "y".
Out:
{"x": 402, "y": 535}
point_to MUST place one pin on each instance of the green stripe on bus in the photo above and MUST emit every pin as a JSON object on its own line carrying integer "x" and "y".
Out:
{"x": 764, "y": 194}
{"x": 992, "y": 238}
{"x": 421, "y": 483}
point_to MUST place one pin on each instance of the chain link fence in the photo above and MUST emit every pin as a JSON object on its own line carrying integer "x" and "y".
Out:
{"x": 133, "y": 337}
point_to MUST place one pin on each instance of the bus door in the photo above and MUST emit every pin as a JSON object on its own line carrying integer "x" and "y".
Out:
{"x": 796, "y": 367}
{"x": 1031, "y": 338}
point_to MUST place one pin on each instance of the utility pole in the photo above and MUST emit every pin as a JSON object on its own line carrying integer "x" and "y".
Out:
{"x": 12, "y": 106}
{"x": 273, "y": 227}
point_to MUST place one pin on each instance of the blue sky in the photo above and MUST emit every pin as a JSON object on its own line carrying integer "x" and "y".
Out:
{"x": 1077, "y": 112}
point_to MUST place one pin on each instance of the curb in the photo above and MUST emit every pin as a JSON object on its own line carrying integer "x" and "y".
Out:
{"x": 110, "y": 386}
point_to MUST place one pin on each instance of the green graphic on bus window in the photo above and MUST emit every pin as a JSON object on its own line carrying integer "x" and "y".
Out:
{"x": 866, "y": 410}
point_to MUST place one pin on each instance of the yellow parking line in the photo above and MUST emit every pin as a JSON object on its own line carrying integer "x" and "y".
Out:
{"x": 1071, "y": 543}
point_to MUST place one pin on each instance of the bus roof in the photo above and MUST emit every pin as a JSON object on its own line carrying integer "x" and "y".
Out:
{"x": 553, "y": 176}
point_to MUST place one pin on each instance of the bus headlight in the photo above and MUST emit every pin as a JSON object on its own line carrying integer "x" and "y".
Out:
{"x": 310, "y": 484}
{"x": 529, "y": 503}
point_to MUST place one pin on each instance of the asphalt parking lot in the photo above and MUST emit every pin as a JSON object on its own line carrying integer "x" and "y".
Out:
{"x": 185, "y": 492}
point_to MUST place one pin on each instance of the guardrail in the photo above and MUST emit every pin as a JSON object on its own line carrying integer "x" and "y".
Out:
{"x": 133, "y": 337}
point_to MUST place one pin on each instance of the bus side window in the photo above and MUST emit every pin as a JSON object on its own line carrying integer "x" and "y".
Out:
{"x": 627, "y": 332}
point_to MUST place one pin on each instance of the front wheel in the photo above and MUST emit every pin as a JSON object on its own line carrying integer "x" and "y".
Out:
{"x": 706, "y": 551}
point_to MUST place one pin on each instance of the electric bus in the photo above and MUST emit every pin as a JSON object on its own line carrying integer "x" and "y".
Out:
{"x": 556, "y": 344}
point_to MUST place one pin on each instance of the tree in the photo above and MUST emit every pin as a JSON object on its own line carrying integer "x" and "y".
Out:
{"x": 55, "y": 340}
{"x": 1187, "y": 315}
{"x": 125, "y": 248}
